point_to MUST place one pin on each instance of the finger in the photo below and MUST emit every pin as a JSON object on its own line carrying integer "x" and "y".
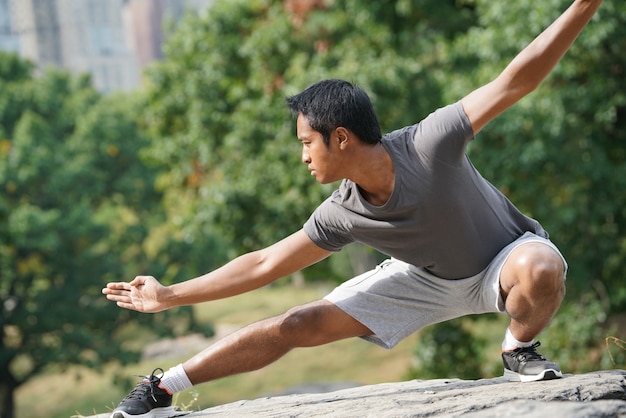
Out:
{"x": 139, "y": 280}
{"x": 116, "y": 291}
{"x": 119, "y": 297}
{"x": 109, "y": 291}
{"x": 118, "y": 285}
{"x": 126, "y": 305}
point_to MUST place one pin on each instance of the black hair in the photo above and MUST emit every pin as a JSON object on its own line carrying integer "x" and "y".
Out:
{"x": 334, "y": 103}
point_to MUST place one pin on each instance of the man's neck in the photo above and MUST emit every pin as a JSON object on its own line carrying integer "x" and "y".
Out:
{"x": 375, "y": 175}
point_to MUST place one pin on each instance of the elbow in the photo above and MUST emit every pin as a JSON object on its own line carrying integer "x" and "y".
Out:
{"x": 520, "y": 81}
{"x": 261, "y": 266}
{"x": 515, "y": 88}
{"x": 528, "y": 86}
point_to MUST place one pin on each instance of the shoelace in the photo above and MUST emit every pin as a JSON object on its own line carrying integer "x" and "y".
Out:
{"x": 528, "y": 353}
{"x": 149, "y": 383}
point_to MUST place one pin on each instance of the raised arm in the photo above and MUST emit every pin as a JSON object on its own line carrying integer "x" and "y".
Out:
{"x": 247, "y": 272}
{"x": 530, "y": 67}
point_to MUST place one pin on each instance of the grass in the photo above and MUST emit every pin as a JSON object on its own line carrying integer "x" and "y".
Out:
{"x": 614, "y": 341}
{"x": 84, "y": 392}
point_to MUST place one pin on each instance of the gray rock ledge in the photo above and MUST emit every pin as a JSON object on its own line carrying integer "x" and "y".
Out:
{"x": 597, "y": 394}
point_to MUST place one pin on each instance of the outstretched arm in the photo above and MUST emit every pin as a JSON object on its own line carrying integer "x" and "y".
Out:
{"x": 247, "y": 272}
{"x": 530, "y": 67}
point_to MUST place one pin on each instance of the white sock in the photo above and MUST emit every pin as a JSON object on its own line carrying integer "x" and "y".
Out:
{"x": 175, "y": 380}
{"x": 511, "y": 343}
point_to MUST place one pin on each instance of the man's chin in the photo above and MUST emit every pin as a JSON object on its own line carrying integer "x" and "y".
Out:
{"x": 327, "y": 181}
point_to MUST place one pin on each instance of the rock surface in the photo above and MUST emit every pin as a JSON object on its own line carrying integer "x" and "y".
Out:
{"x": 601, "y": 394}
{"x": 597, "y": 394}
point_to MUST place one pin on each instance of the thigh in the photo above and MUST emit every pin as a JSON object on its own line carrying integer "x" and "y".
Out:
{"x": 318, "y": 323}
{"x": 397, "y": 299}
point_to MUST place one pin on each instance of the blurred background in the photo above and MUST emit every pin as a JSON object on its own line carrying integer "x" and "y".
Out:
{"x": 151, "y": 137}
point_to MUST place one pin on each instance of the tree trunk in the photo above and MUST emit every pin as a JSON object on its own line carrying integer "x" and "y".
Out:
{"x": 7, "y": 390}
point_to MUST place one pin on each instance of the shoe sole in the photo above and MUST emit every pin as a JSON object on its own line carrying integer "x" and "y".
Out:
{"x": 167, "y": 412}
{"x": 548, "y": 374}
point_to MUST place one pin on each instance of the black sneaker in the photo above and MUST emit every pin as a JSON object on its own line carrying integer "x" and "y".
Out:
{"x": 147, "y": 400}
{"x": 527, "y": 365}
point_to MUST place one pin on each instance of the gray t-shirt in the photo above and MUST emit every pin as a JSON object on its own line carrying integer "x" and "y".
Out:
{"x": 442, "y": 215}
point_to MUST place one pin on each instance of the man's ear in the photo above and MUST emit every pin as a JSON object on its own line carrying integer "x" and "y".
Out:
{"x": 343, "y": 136}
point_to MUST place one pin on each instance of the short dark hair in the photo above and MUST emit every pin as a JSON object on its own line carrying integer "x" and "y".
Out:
{"x": 332, "y": 103}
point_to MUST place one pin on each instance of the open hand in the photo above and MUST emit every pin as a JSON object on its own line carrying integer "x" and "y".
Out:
{"x": 143, "y": 294}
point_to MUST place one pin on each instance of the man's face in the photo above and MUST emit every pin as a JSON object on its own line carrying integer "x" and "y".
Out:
{"x": 321, "y": 160}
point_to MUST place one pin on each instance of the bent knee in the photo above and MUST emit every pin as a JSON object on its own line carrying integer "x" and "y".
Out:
{"x": 538, "y": 266}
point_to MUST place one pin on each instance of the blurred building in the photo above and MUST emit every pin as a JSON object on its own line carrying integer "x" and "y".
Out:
{"x": 113, "y": 40}
{"x": 9, "y": 41}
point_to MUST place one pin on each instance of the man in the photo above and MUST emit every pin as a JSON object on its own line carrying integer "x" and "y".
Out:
{"x": 457, "y": 245}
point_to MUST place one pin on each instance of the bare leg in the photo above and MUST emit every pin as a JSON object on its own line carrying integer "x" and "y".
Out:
{"x": 264, "y": 342}
{"x": 532, "y": 285}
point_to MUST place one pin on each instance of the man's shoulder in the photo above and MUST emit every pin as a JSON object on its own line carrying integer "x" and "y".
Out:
{"x": 450, "y": 114}
{"x": 446, "y": 115}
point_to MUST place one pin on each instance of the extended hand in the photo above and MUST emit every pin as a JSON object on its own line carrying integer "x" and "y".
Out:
{"x": 143, "y": 294}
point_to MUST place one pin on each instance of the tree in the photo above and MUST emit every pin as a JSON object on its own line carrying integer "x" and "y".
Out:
{"x": 218, "y": 118}
{"x": 216, "y": 103}
{"x": 560, "y": 153}
{"x": 448, "y": 350}
{"x": 76, "y": 205}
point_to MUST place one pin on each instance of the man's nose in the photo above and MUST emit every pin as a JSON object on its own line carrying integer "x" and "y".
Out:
{"x": 306, "y": 158}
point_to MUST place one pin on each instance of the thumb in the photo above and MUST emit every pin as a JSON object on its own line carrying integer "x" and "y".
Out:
{"x": 139, "y": 281}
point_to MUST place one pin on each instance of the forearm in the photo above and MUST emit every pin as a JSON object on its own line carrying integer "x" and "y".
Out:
{"x": 531, "y": 66}
{"x": 247, "y": 272}
{"x": 241, "y": 275}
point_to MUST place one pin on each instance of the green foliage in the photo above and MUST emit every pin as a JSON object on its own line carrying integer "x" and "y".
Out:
{"x": 217, "y": 115}
{"x": 448, "y": 350}
{"x": 565, "y": 140}
{"x": 577, "y": 337}
{"x": 76, "y": 207}
{"x": 78, "y": 204}
{"x": 559, "y": 155}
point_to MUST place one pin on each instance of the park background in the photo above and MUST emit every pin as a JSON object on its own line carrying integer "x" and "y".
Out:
{"x": 201, "y": 164}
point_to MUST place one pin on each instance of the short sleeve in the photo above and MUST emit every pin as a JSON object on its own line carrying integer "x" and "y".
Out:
{"x": 444, "y": 134}
{"x": 329, "y": 226}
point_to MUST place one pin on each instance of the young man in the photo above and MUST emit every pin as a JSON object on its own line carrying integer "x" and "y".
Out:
{"x": 457, "y": 245}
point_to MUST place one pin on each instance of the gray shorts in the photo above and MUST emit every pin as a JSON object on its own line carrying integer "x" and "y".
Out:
{"x": 396, "y": 299}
